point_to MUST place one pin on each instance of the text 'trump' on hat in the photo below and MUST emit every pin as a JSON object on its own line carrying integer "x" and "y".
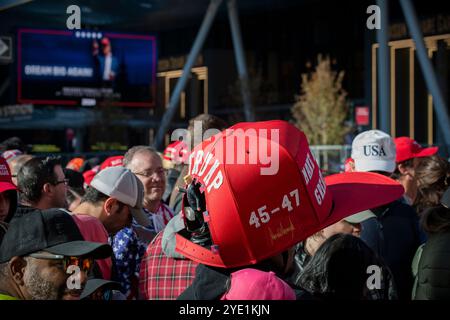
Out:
{"x": 121, "y": 184}
{"x": 253, "y": 216}
{"x": 373, "y": 150}
{"x": 52, "y": 230}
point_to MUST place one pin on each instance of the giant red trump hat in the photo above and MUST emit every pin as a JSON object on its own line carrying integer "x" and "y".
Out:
{"x": 265, "y": 193}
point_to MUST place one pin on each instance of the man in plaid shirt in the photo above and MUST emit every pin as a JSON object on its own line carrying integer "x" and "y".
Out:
{"x": 164, "y": 273}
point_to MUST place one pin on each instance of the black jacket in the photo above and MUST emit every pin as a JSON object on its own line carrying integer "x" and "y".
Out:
{"x": 394, "y": 235}
{"x": 209, "y": 284}
{"x": 433, "y": 277}
{"x": 301, "y": 258}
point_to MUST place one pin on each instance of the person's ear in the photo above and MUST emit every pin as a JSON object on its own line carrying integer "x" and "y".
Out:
{"x": 109, "y": 206}
{"x": 17, "y": 267}
{"x": 404, "y": 170}
{"x": 46, "y": 188}
{"x": 320, "y": 234}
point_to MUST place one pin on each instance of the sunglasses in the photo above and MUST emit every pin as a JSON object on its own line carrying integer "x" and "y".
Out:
{"x": 84, "y": 263}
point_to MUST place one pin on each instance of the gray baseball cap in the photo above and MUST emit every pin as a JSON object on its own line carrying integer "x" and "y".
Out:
{"x": 121, "y": 184}
{"x": 360, "y": 217}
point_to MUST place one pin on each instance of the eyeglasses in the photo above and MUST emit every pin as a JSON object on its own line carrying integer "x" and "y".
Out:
{"x": 149, "y": 173}
{"x": 65, "y": 181}
{"x": 84, "y": 263}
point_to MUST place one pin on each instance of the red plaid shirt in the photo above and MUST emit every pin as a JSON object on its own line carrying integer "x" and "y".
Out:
{"x": 161, "y": 277}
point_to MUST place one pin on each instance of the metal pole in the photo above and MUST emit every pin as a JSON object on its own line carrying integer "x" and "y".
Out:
{"x": 240, "y": 60}
{"x": 383, "y": 67}
{"x": 427, "y": 69}
{"x": 181, "y": 83}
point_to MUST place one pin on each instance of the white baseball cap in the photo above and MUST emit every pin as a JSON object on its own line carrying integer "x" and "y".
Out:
{"x": 121, "y": 184}
{"x": 374, "y": 150}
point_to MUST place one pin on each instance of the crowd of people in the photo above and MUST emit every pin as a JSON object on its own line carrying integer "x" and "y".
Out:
{"x": 193, "y": 223}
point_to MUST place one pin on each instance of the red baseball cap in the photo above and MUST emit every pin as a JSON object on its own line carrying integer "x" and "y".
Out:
{"x": 11, "y": 154}
{"x": 89, "y": 175}
{"x": 259, "y": 205}
{"x": 115, "y": 161}
{"x": 349, "y": 165}
{"x": 5, "y": 177}
{"x": 408, "y": 148}
{"x": 176, "y": 152}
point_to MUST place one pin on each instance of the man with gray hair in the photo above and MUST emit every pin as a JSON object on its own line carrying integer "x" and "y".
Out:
{"x": 129, "y": 244}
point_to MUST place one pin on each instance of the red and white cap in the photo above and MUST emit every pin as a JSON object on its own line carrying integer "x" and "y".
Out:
{"x": 408, "y": 148}
{"x": 11, "y": 154}
{"x": 115, "y": 161}
{"x": 272, "y": 195}
{"x": 5, "y": 177}
{"x": 176, "y": 152}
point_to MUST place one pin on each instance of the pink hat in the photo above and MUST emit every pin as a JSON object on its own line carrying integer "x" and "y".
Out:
{"x": 252, "y": 284}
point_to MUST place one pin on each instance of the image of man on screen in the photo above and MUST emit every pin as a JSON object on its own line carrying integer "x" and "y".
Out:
{"x": 108, "y": 64}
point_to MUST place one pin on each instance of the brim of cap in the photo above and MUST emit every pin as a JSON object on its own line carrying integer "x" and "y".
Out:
{"x": 374, "y": 165}
{"x": 81, "y": 248}
{"x": 425, "y": 152}
{"x": 360, "y": 217}
{"x": 352, "y": 192}
{"x": 5, "y": 186}
{"x": 93, "y": 285}
{"x": 140, "y": 217}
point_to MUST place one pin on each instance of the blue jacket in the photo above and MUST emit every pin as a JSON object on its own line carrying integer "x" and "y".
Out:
{"x": 395, "y": 236}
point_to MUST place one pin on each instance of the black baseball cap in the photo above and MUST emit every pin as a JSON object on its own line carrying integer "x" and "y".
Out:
{"x": 51, "y": 230}
{"x": 94, "y": 284}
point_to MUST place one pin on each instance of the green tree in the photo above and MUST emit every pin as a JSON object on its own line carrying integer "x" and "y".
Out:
{"x": 321, "y": 108}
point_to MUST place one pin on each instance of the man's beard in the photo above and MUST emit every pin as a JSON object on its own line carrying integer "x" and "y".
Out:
{"x": 40, "y": 288}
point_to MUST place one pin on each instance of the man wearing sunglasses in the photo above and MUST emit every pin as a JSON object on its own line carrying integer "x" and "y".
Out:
{"x": 42, "y": 184}
{"x": 43, "y": 256}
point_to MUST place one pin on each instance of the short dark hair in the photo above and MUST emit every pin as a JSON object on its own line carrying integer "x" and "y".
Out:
{"x": 436, "y": 219}
{"x": 34, "y": 174}
{"x": 93, "y": 196}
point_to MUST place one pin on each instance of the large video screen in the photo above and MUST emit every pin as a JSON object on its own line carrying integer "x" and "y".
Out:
{"x": 83, "y": 67}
